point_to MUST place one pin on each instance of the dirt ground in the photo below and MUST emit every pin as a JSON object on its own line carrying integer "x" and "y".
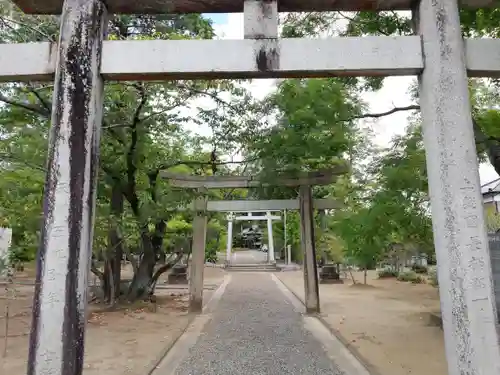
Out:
{"x": 120, "y": 342}
{"x": 387, "y": 321}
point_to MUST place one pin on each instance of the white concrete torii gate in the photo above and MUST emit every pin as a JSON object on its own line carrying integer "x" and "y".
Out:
{"x": 249, "y": 217}
{"x": 437, "y": 54}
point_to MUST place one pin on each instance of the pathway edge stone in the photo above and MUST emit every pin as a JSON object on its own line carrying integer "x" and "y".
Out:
{"x": 369, "y": 367}
{"x": 190, "y": 324}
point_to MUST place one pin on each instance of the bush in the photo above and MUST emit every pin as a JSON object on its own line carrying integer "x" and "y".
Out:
{"x": 411, "y": 276}
{"x": 386, "y": 273}
{"x": 420, "y": 280}
{"x": 417, "y": 268}
{"x": 407, "y": 276}
{"x": 211, "y": 254}
{"x": 20, "y": 254}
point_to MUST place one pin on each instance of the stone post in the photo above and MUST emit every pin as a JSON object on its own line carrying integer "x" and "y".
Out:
{"x": 494, "y": 245}
{"x": 309, "y": 250}
{"x": 270, "y": 239}
{"x": 464, "y": 266}
{"x": 285, "y": 237}
{"x": 5, "y": 240}
{"x": 198, "y": 257}
{"x": 230, "y": 218}
{"x": 56, "y": 344}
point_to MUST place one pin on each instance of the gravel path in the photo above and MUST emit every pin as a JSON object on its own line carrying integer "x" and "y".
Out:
{"x": 256, "y": 331}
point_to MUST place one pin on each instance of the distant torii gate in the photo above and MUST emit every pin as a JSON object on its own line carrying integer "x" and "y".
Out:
{"x": 305, "y": 204}
{"x": 268, "y": 217}
{"x": 438, "y": 54}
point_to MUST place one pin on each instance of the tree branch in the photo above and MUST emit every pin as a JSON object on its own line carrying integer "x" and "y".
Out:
{"x": 412, "y": 107}
{"x": 47, "y": 106}
{"x": 13, "y": 159}
{"x": 198, "y": 163}
{"x": 360, "y": 22}
{"x": 491, "y": 144}
{"x": 8, "y": 19}
{"x": 215, "y": 97}
{"x": 131, "y": 154}
{"x": 162, "y": 270}
{"x": 96, "y": 271}
{"x": 32, "y": 108}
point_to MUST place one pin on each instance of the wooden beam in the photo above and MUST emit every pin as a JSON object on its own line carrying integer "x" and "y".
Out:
{"x": 256, "y": 218}
{"x": 153, "y": 60}
{"x": 233, "y": 6}
{"x": 268, "y": 205}
{"x": 323, "y": 177}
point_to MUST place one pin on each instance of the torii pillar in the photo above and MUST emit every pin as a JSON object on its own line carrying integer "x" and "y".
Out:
{"x": 229, "y": 247}
{"x": 309, "y": 250}
{"x": 270, "y": 240}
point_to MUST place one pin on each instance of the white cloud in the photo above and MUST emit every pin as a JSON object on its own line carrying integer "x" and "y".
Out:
{"x": 393, "y": 94}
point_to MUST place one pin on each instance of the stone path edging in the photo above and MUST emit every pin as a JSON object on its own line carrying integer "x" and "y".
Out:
{"x": 153, "y": 365}
{"x": 354, "y": 351}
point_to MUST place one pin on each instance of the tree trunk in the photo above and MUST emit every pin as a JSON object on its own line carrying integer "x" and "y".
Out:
{"x": 160, "y": 271}
{"x": 217, "y": 242}
{"x": 157, "y": 238}
{"x": 364, "y": 275}
{"x": 114, "y": 255}
{"x": 143, "y": 276}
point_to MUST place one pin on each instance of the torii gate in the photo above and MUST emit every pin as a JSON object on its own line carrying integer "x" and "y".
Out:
{"x": 81, "y": 60}
{"x": 305, "y": 204}
{"x": 268, "y": 217}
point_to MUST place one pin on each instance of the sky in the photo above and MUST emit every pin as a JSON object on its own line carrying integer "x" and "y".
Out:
{"x": 393, "y": 94}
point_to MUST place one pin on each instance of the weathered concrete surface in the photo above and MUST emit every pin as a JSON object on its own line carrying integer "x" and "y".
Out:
{"x": 56, "y": 344}
{"x": 464, "y": 267}
{"x": 146, "y": 60}
{"x": 256, "y": 330}
{"x": 198, "y": 260}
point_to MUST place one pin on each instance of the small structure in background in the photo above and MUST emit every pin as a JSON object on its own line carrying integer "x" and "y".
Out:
{"x": 491, "y": 204}
{"x": 250, "y": 238}
{"x": 329, "y": 275}
{"x": 178, "y": 274}
{"x": 419, "y": 260}
{"x": 491, "y": 196}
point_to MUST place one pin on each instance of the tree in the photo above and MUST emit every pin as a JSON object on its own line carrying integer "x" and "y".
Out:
{"x": 143, "y": 133}
{"x": 394, "y": 210}
{"x": 311, "y": 125}
{"x": 475, "y": 23}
